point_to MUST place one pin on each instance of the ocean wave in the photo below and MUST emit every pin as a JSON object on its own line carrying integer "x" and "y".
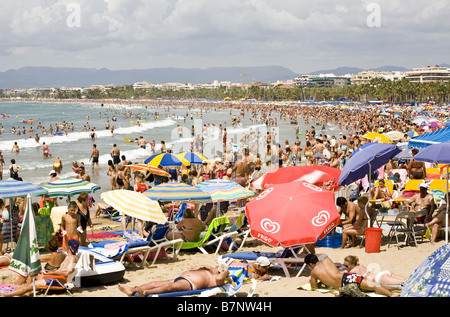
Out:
{"x": 76, "y": 136}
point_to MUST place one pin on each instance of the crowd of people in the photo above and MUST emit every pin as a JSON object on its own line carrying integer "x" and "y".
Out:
{"x": 247, "y": 160}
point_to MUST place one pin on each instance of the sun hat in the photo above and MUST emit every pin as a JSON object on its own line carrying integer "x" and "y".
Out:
{"x": 52, "y": 172}
{"x": 263, "y": 261}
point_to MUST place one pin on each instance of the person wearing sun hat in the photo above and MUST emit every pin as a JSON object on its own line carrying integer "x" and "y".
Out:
{"x": 423, "y": 202}
{"x": 260, "y": 269}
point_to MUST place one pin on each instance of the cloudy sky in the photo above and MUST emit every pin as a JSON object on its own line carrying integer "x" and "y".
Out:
{"x": 302, "y": 35}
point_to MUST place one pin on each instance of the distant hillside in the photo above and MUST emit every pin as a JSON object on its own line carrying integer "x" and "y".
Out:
{"x": 30, "y": 77}
{"x": 354, "y": 70}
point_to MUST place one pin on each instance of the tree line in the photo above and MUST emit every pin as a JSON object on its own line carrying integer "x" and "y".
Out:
{"x": 401, "y": 91}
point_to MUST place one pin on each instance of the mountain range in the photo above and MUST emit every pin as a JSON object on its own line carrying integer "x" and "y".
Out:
{"x": 36, "y": 76}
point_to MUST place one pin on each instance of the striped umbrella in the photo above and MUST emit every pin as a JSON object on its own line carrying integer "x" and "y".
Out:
{"x": 165, "y": 159}
{"x": 225, "y": 190}
{"x": 149, "y": 168}
{"x": 192, "y": 157}
{"x": 69, "y": 187}
{"x": 11, "y": 188}
{"x": 135, "y": 205}
{"x": 177, "y": 192}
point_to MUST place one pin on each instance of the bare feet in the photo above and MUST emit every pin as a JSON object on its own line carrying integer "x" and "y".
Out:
{"x": 127, "y": 290}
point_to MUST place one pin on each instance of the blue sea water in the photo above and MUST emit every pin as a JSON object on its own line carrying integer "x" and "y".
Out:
{"x": 157, "y": 123}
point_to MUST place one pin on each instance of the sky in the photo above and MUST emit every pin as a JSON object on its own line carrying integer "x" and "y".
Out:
{"x": 302, "y": 35}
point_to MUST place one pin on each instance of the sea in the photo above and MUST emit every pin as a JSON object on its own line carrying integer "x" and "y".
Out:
{"x": 154, "y": 122}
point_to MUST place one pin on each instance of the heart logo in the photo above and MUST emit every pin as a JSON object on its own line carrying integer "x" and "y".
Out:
{"x": 312, "y": 186}
{"x": 321, "y": 218}
{"x": 264, "y": 193}
{"x": 270, "y": 226}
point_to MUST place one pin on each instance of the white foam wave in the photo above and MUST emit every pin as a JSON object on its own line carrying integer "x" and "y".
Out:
{"x": 76, "y": 136}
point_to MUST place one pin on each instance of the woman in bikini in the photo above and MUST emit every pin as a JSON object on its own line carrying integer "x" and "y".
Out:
{"x": 111, "y": 172}
{"x": 416, "y": 170}
{"x": 359, "y": 226}
{"x": 55, "y": 258}
{"x": 188, "y": 229}
{"x": 386, "y": 279}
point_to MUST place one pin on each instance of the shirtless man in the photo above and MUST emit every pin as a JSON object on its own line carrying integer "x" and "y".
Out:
{"x": 200, "y": 278}
{"x": 43, "y": 280}
{"x": 94, "y": 156}
{"x": 318, "y": 149}
{"x": 115, "y": 154}
{"x": 241, "y": 172}
{"x": 423, "y": 201}
{"x": 349, "y": 209}
{"x": 326, "y": 272}
{"x": 142, "y": 142}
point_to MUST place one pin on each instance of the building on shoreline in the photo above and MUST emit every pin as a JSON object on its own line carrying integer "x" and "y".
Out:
{"x": 429, "y": 74}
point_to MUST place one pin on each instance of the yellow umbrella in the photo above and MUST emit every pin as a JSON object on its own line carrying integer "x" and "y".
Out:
{"x": 377, "y": 137}
{"x": 135, "y": 205}
{"x": 149, "y": 168}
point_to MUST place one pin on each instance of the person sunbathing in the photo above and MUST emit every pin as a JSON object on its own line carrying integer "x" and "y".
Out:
{"x": 327, "y": 273}
{"x": 387, "y": 279}
{"x": 202, "y": 277}
{"x": 66, "y": 268}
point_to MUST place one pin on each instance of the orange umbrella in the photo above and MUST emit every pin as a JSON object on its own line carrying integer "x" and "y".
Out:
{"x": 149, "y": 168}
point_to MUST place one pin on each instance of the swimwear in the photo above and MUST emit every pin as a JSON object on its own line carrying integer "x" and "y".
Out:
{"x": 180, "y": 278}
{"x": 319, "y": 155}
{"x": 95, "y": 160}
{"x": 49, "y": 267}
{"x": 379, "y": 275}
{"x": 348, "y": 278}
{"x": 116, "y": 159}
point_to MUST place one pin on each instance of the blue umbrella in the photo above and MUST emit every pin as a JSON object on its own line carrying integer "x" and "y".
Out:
{"x": 363, "y": 147}
{"x": 439, "y": 153}
{"x": 367, "y": 160}
{"x": 431, "y": 278}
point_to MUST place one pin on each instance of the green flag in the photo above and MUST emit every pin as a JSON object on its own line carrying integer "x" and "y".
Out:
{"x": 26, "y": 259}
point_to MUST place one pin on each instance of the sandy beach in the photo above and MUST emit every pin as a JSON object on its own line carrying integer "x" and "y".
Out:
{"x": 401, "y": 261}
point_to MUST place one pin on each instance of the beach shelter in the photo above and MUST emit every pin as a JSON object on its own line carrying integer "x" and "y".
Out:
{"x": 292, "y": 213}
{"x": 437, "y": 153}
{"x": 67, "y": 187}
{"x": 135, "y": 205}
{"x": 192, "y": 157}
{"x": 148, "y": 168}
{"x": 322, "y": 176}
{"x": 432, "y": 277}
{"x": 377, "y": 137}
{"x": 424, "y": 140}
{"x": 11, "y": 188}
{"x": 165, "y": 159}
{"x": 26, "y": 259}
{"x": 174, "y": 191}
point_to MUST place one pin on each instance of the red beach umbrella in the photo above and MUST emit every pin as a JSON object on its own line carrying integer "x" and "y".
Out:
{"x": 292, "y": 214}
{"x": 322, "y": 176}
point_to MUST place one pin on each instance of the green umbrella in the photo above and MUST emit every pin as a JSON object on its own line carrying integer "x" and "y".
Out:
{"x": 26, "y": 259}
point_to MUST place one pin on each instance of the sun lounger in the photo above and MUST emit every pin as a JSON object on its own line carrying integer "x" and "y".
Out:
{"x": 156, "y": 240}
{"x": 287, "y": 256}
{"x": 214, "y": 235}
{"x": 238, "y": 274}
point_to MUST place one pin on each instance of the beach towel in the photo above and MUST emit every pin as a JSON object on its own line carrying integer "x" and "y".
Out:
{"x": 44, "y": 229}
{"x": 103, "y": 235}
{"x": 330, "y": 290}
{"x": 8, "y": 288}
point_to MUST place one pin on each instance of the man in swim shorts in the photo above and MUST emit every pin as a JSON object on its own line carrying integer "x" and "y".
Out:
{"x": 327, "y": 273}
{"x": 200, "y": 278}
{"x": 115, "y": 154}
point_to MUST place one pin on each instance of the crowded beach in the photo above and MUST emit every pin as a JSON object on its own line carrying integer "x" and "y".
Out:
{"x": 218, "y": 245}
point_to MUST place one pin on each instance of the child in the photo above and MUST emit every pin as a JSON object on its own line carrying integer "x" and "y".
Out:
{"x": 71, "y": 225}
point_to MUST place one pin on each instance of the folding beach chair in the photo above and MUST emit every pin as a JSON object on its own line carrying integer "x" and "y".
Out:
{"x": 58, "y": 283}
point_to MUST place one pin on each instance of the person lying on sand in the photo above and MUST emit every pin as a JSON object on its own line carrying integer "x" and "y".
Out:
{"x": 200, "y": 278}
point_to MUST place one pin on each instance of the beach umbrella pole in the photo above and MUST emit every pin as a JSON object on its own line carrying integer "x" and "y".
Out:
{"x": 446, "y": 211}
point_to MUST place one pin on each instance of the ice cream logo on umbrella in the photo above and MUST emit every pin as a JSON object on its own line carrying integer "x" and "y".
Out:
{"x": 270, "y": 226}
{"x": 264, "y": 193}
{"x": 321, "y": 219}
{"x": 312, "y": 186}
